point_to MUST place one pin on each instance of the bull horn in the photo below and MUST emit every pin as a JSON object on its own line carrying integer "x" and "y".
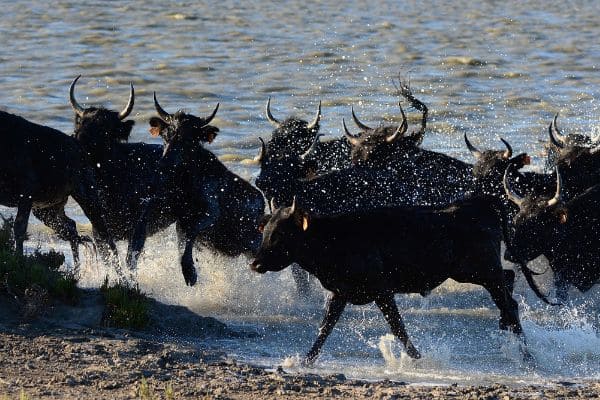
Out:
{"x": 512, "y": 196}
{"x": 558, "y": 195}
{"x": 476, "y": 153}
{"x": 313, "y": 146}
{"x": 262, "y": 152}
{"x": 270, "y": 116}
{"x": 272, "y": 204}
{"x": 351, "y": 138}
{"x": 314, "y": 125}
{"x": 212, "y": 116}
{"x": 401, "y": 129}
{"x": 555, "y": 136}
{"x": 509, "y": 151}
{"x": 595, "y": 139}
{"x": 161, "y": 113}
{"x": 127, "y": 110}
{"x": 293, "y": 206}
{"x": 358, "y": 123}
{"x": 76, "y": 106}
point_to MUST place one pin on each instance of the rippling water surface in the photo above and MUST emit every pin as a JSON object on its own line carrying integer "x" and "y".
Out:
{"x": 490, "y": 70}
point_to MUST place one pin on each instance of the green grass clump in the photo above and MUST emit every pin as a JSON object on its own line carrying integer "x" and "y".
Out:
{"x": 40, "y": 270}
{"x": 126, "y": 307}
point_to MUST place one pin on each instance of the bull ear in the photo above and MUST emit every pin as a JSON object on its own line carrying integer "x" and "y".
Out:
{"x": 157, "y": 126}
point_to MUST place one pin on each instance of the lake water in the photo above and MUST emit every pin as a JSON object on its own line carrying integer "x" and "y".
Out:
{"x": 492, "y": 69}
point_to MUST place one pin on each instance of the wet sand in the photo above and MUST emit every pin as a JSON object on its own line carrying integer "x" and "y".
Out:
{"x": 65, "y": 354}
{"x": 93, "y": 364}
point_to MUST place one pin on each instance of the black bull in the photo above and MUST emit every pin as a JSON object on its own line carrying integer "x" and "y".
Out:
{"x": 369, "y": 256}
{"x": 566, "y": 232}
{"x": 39, "y": 168}
{"x": 210, "y": 203}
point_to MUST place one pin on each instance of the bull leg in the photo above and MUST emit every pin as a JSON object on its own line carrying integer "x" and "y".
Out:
{"x": 65, "y": 227}
{"x": 562, "y": 287}
{"x": 192, "y": 226}
{"x": 187, "y": 261}
{"x": 301, "y": 279}
{"x": 509, "y": 280}
{"x": 509, "y": 310}
{"x": 87, "y": 198}
{"x": 137, "y": 240}
{"x": 335, "y": 307}
{"x": 388, "y": 307}
{"x": 20, "y": 226}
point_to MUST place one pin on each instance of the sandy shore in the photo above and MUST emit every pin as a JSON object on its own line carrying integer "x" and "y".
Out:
{"x": 64, "y": 356}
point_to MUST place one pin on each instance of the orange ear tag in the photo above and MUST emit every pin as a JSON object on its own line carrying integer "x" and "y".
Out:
{"x": 154, "y": 131}
{"x": 304, "y": 223}
{"x": 527, "y": 160}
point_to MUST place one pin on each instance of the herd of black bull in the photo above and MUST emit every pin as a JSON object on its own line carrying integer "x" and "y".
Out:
{"x": 370, "y": 215}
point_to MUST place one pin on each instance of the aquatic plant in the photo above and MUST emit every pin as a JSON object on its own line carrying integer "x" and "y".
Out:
{"x": 126, "y": 307}
{"x": 33, "y": 279}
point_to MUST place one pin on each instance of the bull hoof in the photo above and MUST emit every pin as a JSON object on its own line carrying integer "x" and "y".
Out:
{"x": 84, "y": 239}
{"x": 413, "y": 352}
{"x": 307, "y": 362}
{"x": 189, "y": 274}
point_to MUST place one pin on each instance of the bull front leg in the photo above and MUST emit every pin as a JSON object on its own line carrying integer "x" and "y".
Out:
{"x": 137, "y": 240}
{"x": 56, "y": 219}
{"x": 388, "y": 307}
{"x": 301, "y": 277}
{"x": 335, "y": 307}
{"x": 86, "y": 196}
{"x": 20, "y": 225}
{"x": 189, "y": 230}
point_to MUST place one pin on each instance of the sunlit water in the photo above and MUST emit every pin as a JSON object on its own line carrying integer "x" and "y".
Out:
{"x": 491, "y": 70}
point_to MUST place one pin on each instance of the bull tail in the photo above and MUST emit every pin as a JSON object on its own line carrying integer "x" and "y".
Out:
{"x": 529, "y": 278}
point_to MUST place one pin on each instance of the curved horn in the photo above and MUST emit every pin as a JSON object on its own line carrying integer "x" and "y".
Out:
{"x": 558, "y": 195}
{"x": 262, "y": 152}
{"x": 211, "y": 116}
{"x": 270, "y": 116}
{"x": 476, "y": 153}
{"x": 127, "y": 110}
{"x": 161, "y": 113}
{"x": 351, "y": 138}
{"x": 313, "y": 146}
{"x": 293, "y": 206}
{"x": 272, "y": 204}
{"x": 509, "y": 151}
{"x": 512, "y": 196}
{"x": 402, "y": 128}
{"x": 358, "y": 123}
{"x": 315, "y": 123}
{"x": 76, "y": 106}
{"x": 555, "y": 136}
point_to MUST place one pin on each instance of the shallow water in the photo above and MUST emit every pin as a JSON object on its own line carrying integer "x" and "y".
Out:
{"x": 490, "y": 70}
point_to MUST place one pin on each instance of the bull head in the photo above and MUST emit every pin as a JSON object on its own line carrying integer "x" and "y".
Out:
{"x": 314, "y": 125}
{"x": 79, "y": 109}
{"x": 478, "y": 153}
